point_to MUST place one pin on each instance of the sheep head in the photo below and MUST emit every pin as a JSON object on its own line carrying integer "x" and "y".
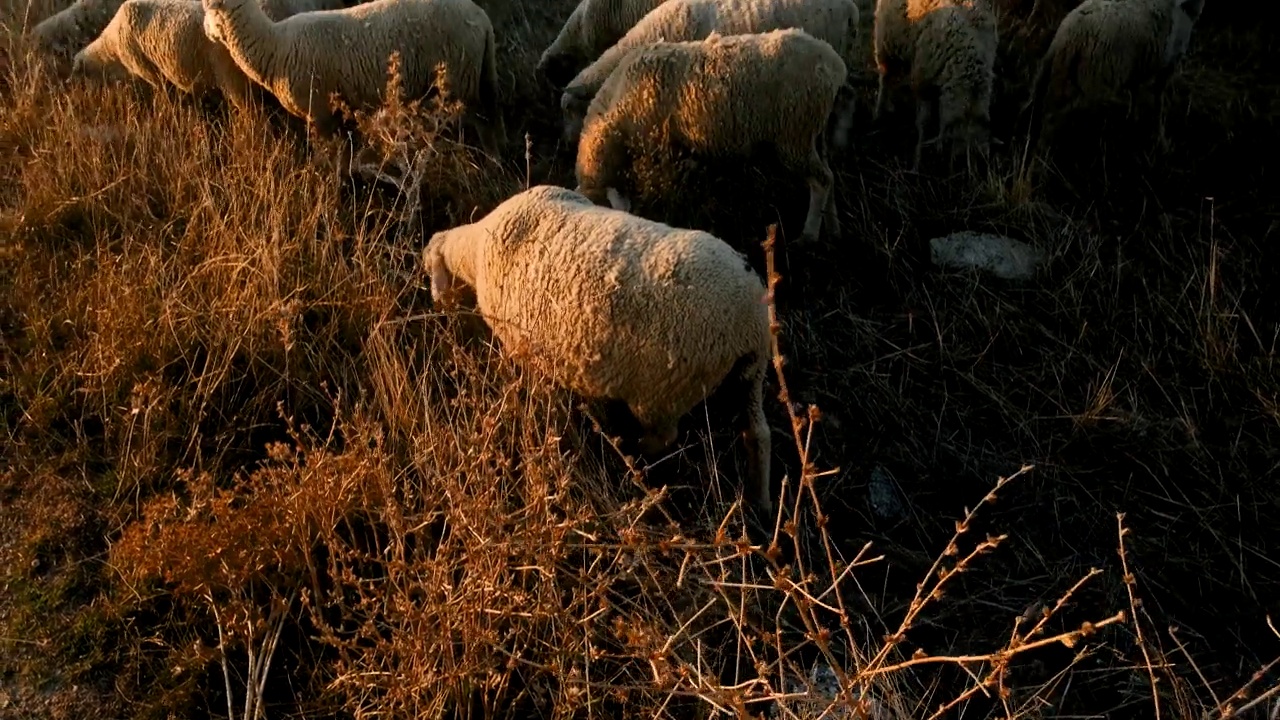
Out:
{"x": 54, "y": 35}
{"x": 1192, "y": 8}
{"x": 214, "y": 17}
{"x": 98, "y": 62}
{"x": 447, "y": 269}
{"x": 559, "y": 69}
{"x": 573, "y": 107}
{"x": 562, "y": 59}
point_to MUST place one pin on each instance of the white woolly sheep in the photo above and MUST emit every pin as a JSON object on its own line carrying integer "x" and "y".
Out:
{"x": 614, "y": 306}
{"x": 592, "y": 27}
{"x": 893, "y": 40}
{"x": 952, "y": 76}
{"x": 163, "y": 42}
{"x": 835, "y": 21}
{"x": 304, "y": 58}
{"x": 1105, "y": 47}
{"x": 722, "y": 96}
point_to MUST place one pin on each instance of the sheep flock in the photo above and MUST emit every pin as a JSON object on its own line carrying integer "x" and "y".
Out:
{"x": 525, "y": 306}
{"x": 682, "y": 85}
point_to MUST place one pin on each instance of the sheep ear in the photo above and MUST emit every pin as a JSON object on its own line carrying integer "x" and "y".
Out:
{"x": 1192, "y": 8}
{"x": 441, "y": 278}
{"x": 997, "y": 142}
{"x": 617, "y": 200}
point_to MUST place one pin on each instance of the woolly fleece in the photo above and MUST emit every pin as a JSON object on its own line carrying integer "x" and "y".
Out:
{"x": 304, "y": 58}
{"x": 893, "y": 38}
{"x": 69, "y": 30}
{"x": 592, "y": 27}
{"x": 163, "y": 42}
{"x": 835, "y": 21}
{"x": 722, "y": 96}
{"x": 1105, "y": 47}
{"x": 952, "y": 76}
{"x": 615, "y": 306}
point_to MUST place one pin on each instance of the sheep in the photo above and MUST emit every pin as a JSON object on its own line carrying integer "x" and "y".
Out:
{"x": 1106, "y": 46}
{"x": 67, "y": 31}
{"x": 615, "y": 306}
{"x": 592, "y": 27}
{"x": 952, "y": 75}
{"x": 835, "y": 21}
{"x": 894, "y": 34}
{"x": 724, "y": 95}
{"x": 304, "y": 58}
{"x": 163, "y": 41}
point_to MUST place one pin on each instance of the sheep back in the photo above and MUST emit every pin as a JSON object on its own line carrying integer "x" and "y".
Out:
{"x": 955, "y": 63}
{"x": 66, "y": 32}
{"x": 304, "y": 58}
{"x": 723, "y": 95}
{"x": 163, "y": 41}
{"x": 1103, "y": 46}
{"x": 592, "y": 27}
{"x": 834, "y": 21}
{"x": 896, "y": 29}
{"x": 608, "y": 304}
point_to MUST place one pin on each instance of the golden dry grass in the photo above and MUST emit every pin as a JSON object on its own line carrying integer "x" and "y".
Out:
{"x": 244, "y": 466}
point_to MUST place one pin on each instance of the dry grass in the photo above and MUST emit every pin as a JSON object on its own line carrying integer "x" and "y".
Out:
{"x": 246, "y": 471}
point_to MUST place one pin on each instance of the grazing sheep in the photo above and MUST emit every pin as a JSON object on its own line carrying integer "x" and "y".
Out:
{"x": 67, "y": 31}
{"x": 614, "y": 306}
{"x": 593, "y": 26}
{"x": 304, "y": 58}
{"x": 163, "y": 42}
{"x": 722, "y": 96}
{"x": 1104, "y": 47}
{"x": 952, "y": 76}
{"x": 835, "y": 21}
{"x": 893, "y": 40}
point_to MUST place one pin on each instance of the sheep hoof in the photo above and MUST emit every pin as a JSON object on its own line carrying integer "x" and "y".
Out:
{"x": 807, "y": 238}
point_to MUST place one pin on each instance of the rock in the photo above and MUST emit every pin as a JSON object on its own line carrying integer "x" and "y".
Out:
{"x": 884, "y": 496}
{"x": 1001, "y": 256}
{"x": 820, "y": 692}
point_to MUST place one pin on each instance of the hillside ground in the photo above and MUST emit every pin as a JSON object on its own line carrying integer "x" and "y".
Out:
{"x": 243, "y": 462}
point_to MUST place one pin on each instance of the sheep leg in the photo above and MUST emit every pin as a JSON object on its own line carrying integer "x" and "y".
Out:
{"x": 1161, "y": 83}
{"x": 820, "y": 179}
{"x": 755, "y": 436}
{"x": 236, "y": 88}
{"x": 831, "y": 217}
{"x": 879, "y": 108}
{"x": 325, "y": 123}
{"x": 924, "y": 115}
